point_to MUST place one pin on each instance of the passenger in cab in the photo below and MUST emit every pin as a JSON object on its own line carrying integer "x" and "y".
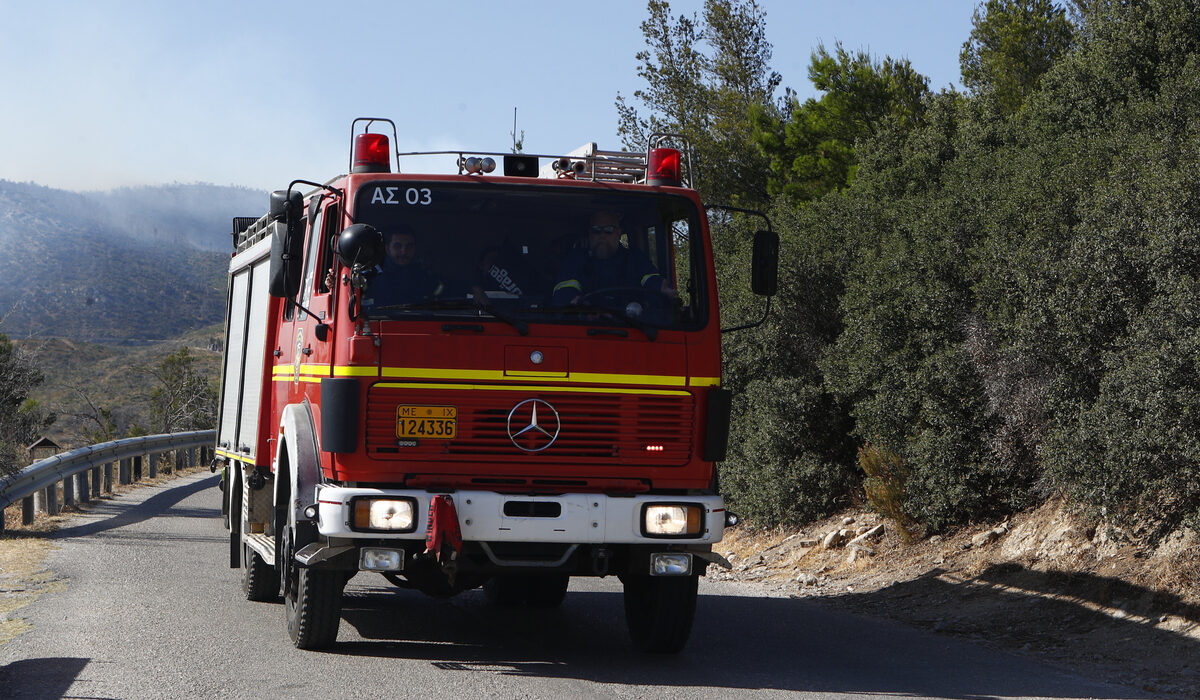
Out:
{"x": 401, "y": 278}
{"x": 504, "y": 272}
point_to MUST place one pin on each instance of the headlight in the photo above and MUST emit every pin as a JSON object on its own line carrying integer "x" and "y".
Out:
{"x": 672, "y": 520}
{"x": 384, "y": 514}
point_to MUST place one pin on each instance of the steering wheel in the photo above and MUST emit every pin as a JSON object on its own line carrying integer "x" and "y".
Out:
{"x": 619, "y": 298}
{"x": 621, "y": 295}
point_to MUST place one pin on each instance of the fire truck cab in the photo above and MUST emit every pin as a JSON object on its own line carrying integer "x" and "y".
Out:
{"x": 478, "y": 380}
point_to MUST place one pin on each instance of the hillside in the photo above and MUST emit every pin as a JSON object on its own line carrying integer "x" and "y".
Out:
{"x": 130, "y": 266}
{"x": 82, "y": 378}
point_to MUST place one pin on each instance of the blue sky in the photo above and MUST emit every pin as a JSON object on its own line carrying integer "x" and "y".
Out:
{"x": 104, "y": 94}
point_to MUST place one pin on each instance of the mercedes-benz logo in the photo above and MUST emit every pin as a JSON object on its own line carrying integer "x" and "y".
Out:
{"x": 538, "y": 425}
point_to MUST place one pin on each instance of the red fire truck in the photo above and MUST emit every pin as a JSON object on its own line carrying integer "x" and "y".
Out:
{"x": 474, "y": 379}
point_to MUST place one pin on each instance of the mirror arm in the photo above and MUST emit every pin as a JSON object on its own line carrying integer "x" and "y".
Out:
{"x": 322, "y": 329}
{"x": 756, "y": 324}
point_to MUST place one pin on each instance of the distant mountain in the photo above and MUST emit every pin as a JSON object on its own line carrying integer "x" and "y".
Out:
{"x": 127, "y": 266}
{"x": 197, "y": 215}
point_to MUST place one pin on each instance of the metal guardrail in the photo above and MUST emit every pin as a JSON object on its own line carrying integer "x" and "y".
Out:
{"x": 62, "y": 467}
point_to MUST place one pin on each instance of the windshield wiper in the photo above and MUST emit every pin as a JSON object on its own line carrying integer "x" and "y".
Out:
{"x": 459, "y": 305}
{"x": 431, "y": 305}
{"x": 650, "y": 332}
{"x": 521, "y": 326}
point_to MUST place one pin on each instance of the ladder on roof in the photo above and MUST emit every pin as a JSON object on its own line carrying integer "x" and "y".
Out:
{"x": 615, "y": 166}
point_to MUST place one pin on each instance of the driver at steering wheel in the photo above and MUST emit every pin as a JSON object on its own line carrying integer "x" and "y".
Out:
{"x": 606, "y": 264}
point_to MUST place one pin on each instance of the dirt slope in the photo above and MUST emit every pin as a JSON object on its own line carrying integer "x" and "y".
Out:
{"x": 1045, "y": 583}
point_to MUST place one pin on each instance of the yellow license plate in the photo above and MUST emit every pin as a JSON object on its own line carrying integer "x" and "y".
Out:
{"x": 429, "y": 422}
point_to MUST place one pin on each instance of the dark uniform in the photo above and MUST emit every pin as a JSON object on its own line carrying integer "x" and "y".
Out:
{"x": 581, "y": 273}
{"x": 395, "y": 284}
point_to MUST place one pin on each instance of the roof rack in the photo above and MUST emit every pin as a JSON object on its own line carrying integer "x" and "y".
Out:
{"x": 248, "y": 230}
{"x": 584, "y": 163}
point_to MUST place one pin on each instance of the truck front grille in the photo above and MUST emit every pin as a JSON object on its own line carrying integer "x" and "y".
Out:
{"x": 597, "y": 428}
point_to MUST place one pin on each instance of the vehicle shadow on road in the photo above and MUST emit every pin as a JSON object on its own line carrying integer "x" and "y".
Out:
{"x": 1095, "y": 625}
{"x": 738, "y": 642}
{"x": 40, "y": 678}
{"x": 111, "y": 514}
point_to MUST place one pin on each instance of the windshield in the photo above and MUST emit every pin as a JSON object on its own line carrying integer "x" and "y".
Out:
{"x": 528, "y": 254}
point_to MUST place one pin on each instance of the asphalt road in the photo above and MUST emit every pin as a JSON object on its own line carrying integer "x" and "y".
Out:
{"x": 152, "y": 611}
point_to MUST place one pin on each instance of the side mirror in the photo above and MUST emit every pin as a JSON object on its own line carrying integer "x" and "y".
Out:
{"x": 287, "y": 241}
{"x": 285, "y": 207}
{"x": 286, "y": 253}
{"x": 360, "y": 244}
{"x": 764, "y": 268}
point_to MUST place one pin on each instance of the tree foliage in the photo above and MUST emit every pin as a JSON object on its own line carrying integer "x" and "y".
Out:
{"x": 1013, "y": 43}
{"x": 996, "y": 291}
{"x": 184, "y": 399}
{"x": 811, "y": 146}
{"x": 22, "y": 420}
{"x": 701, "y": 77}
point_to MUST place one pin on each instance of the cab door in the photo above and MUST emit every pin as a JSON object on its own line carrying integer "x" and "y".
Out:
{"x": 313, "y": 317}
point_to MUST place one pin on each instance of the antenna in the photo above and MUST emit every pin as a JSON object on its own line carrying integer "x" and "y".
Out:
{"x": 518, "y": 143}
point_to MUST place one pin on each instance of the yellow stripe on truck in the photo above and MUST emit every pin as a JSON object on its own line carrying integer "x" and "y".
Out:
{"x": 315, "y": 372}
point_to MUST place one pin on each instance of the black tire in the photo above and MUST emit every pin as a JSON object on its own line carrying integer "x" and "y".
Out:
{"x": 659, "y": 611}
{"x": 260, "y": 580}
{"x": 546, "y": 591}
{"x": 312, "y": 601}
{"x": 505, "y": 591}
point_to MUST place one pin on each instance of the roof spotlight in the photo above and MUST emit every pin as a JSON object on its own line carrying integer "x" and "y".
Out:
{"x": 565, "y": 167}
{"x": 489, "y": 164}
{"x": 471, "y": 165}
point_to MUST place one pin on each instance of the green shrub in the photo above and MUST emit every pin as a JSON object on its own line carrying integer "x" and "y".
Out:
{"x": 782, "y": 468}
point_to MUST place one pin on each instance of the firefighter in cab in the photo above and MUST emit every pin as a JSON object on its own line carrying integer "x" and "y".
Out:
{"x": 606, "y": 264}
{"x": 401, "y": 278}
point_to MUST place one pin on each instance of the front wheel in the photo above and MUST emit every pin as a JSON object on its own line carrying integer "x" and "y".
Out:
{"x": 659, "y": 611}
{"x": 312, "y": 600}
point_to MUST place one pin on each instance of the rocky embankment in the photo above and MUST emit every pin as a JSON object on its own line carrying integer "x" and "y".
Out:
{"x": 1091, "y": 597}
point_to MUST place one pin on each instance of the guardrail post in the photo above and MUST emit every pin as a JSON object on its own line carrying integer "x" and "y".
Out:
{"x": 69, "y": 491}
{"x": 52, "y": 499}
{"x": 125, "y": 475}
{"x": 81, "y": 486}
{"x": 191, "y": 456}
{"x": 108, "y": 469}
{"x": 153, "y": 470}
{"x": 137, "y": 467}
{"x": 27, "y": 510}
{"x": 96, "y": 482}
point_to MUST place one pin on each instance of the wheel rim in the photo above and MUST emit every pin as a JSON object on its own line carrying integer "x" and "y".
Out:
{"x": 288, "y": 571}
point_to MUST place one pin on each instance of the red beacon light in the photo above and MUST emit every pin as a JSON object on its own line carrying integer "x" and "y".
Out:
{"x": 372, "y": 154}
{"x": 662, "y": 168}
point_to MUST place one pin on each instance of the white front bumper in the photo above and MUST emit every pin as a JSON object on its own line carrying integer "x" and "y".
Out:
{"x": 584, "y": 517}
